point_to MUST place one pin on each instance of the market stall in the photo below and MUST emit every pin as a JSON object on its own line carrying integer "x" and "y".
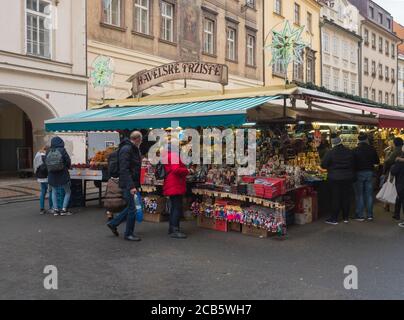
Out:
{"x": 292, "y": 124}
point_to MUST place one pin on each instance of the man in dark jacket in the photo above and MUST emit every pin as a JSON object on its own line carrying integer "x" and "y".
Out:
{"x": 396, "y": 153}
{"x": 397, "y": 170}
{"x": 340, "y": 163}
{"x": 366, "y": 159}
{"x": 130, "y": 163}
{"x": 58, "y": 163}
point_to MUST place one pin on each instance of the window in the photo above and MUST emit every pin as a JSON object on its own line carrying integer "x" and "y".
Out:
{"x": 372, "y": 12}
{"x": 326, "y": 42}
{"x": 167, "y": 21}
{"x": 231, "y": 43}
{"x": 389, "y": 23}
{"x": 251, "y": 44}
{"x": 336, "y": 46}
{"x": 366, "y": 66}
{"x": 381, "y": 18}
{"x": 336, "y": 79}
{"x": 327, "y": 77}
{"x": 311, "y": 66}
{"x": 297, "y": 14}
{"x": 386, "y": 98}
{"x": 386, "y": 71}
{"x": 112, "y": 12}
{"x": 380, "y": 71}
{"x": 345, "y": 81}
{"x": 373, "y": 95}
{"x": 373, "y": 41}
{"x": 366, "y": 36}
{"x": 278, "y": 7}
{"x": 373, "y": 68}
{"x": 345, "y": 50}
{"x": 353, "y": 84}
{"x": 366, "y": 93}
{"x": 387, "y": 46}
{"x": 393, "y": 100}
{"x": 393, "y": 76}
{"x": 393, "y": 50}
{"x": 38, "y": 36}
{"x": 250, "y": 3}
{"x": 380, "y": 44}
{"x": 380, "y": 96}
{"x": 209, "y": 36}
{"x": 310, "y": 22}
{"x": 142, "y": 16}
{"x": 354, "y": 54}
{"x": 298, "y": 69}
{"x": 278, "y": 69}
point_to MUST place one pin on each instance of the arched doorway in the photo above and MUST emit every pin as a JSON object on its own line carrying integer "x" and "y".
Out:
{"x": 22, "y": 117}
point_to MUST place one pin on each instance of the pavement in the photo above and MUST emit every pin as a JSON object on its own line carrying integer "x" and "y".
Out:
{"x": 93, "y": 264}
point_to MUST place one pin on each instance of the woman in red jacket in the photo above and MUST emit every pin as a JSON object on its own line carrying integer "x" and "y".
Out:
{"x": 175, "y": 186}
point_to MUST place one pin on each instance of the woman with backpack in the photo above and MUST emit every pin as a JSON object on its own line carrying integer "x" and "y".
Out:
{"x": 58, "y": 163}
{"x": 41, "y": 173}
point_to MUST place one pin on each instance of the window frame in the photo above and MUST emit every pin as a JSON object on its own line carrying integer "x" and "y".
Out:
{"x": 38, "y": 15}
{"x": 233, "y": 26}
{"x": 121, "y": 15}
{"x": 149, "y": 32}
{"x": 298, "y": 12}
{"x": 207, "y": 17}
{"x": 250, "y": 33}
{"x": 276, "y": 3}
{"x": 173, "y": 4}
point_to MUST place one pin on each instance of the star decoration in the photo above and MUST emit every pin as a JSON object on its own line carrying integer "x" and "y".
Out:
{"x": 102, "y": 72}
{"x": 287, "y": 45}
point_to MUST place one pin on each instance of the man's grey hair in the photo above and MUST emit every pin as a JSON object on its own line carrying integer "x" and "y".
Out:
{"x": 135, "y": 135}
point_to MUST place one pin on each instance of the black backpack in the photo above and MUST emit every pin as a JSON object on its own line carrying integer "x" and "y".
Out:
{"x": 113, "y": 164}
{"x": 160, "y": 172}
{"x": 42, "y": 171}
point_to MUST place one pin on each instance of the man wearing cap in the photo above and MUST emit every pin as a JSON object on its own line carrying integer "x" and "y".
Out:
{"x": 366, "y": 158}
{"x": 340, "y": 164}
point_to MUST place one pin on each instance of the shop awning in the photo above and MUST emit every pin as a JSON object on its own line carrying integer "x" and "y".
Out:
{"x": 193, "y": 114}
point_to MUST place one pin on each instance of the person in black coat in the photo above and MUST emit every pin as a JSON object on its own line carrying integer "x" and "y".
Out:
{"x": 340, "y": 164}
{"x": 366, "y": 158}
{"x": 397, "y": 170}
{"x": 130, "y": 164}
{"x": 60, "y": 179}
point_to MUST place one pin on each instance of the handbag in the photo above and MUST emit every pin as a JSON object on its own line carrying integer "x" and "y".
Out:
{"x": 388, "y": 193}
{"x": 114, "y": 200}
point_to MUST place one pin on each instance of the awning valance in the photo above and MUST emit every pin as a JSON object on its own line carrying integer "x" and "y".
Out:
{"x": 194, "y": 114}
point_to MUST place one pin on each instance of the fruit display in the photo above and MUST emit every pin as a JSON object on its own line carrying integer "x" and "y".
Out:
{"x": 100, "y": 159}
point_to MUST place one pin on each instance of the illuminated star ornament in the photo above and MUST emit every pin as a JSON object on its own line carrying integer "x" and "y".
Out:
{"x": 287, "y": 45}
{"x": 103, "y": 72}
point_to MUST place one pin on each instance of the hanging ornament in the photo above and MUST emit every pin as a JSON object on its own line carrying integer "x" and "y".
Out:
{"x": 103, "y": 72}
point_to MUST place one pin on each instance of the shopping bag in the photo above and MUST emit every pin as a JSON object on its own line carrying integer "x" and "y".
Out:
{"x": 139, "y": 207}
{"x": 388, "y": 193}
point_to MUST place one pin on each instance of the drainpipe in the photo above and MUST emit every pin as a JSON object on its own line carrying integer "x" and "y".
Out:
{"x": 321, "y": 53}
{"x": 263, "y": 44}
{"x": 360, "y": 75}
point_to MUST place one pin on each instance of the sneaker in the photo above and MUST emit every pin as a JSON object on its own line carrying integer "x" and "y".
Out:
{"x": 133, "y": 238}
{"x": 65, "y": 212}
{"x": 401, "y": 225}
{"x": 360, "y": 219}
{"x": 332, "y": 222}
{"x": 113, "y": 229}
{"x": 370, "y": 219}
{"x": 55, "y": 212}
{"x": 42, "y": 212}
{"x": 346, "y": 221}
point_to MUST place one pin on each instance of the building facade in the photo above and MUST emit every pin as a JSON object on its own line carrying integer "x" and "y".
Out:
{"x": 340, "y": 49}
{"x": 299, "y": 13}
{"x": 379, "y": 53}
{"x": 399, "y": 30}
{"x": 142, "y": 34}
{"x": 42, "y": 75}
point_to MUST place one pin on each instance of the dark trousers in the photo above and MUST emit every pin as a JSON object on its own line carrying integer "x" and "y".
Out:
{"x": 175, "y": 211}
{"x": 399, "y": 205}
{"x": 128, "y": 215}
{"x": 341, "y": 193}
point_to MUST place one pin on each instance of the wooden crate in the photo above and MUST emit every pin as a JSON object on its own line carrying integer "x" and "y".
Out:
{"x": 256, "y": 232}
{"x": 206, "y": 223}
{"x": 155, "y": 218}
{"x": 234, "y": 226}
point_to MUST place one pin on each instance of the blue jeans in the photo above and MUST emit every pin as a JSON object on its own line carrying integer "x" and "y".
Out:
{"x": 128, "y": 215}
{"x": 66, "y": 199}
{"x": 364, "y": 194}
{"x": 44, "y": 190}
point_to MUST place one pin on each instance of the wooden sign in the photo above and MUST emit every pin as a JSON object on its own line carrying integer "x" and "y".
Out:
{"x": 211, "y": 72}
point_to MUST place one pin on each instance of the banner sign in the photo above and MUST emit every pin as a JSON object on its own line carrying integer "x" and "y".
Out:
{"x": 211, "y": 72}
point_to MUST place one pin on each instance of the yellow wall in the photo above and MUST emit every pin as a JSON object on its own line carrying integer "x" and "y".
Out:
{"x": 273, "y": 20}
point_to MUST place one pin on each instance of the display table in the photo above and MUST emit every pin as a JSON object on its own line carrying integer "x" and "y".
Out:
{"x": 85, "y": 175}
